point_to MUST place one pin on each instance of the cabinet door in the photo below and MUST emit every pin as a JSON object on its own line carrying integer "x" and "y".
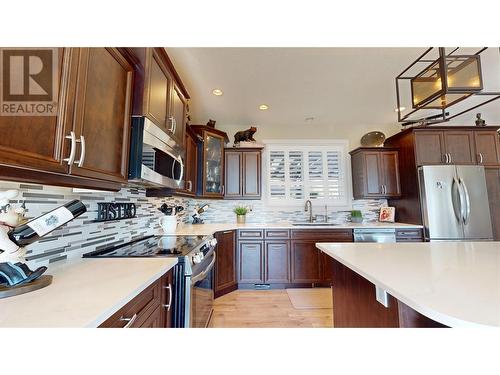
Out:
{"x": 373, "y": 174}
{"x": 390, "y": 169}
{"x": 460, "y": 146}
{"x": 493, "y": 185}
{"x": 487, "y": 147}
{"x": 429, "y": 147}
{"x": 38, "y": 141}
{"x": 154, "y": 320}
{"x": 158, "y": 87}
{"x": 250, "y": 262}
{"x": 251, "y": 169}
{"x": 305, "y": 262}
{"x": 178, "y": 113}
{"x": 225, "y": 269}
{"x": 191, "y": 165}
{"x": 102, "y": 114}
{"x": 233, "y": 174}
{"x": 277, "y": 262}
{"x": 213, "y": 165}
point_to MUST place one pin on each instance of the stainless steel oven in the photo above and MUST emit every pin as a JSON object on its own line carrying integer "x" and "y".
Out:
{"x": 200, "y": 290}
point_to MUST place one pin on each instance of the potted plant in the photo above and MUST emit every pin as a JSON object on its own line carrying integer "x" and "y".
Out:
{"x": 241, "y": 212}
{"x": 356, "y": 216}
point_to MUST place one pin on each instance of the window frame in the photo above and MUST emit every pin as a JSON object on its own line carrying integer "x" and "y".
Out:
{"x": 305, "y": 146}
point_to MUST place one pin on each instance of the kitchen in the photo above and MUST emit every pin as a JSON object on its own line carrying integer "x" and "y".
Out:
{"x": 185, "y": 187}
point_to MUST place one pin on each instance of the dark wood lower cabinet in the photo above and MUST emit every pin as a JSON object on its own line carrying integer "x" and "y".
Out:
{"x": 251, "y": 262}
{"x": 356, "y": 305}
{"x": 150, "y": 309}
{"x": 225, "y": 267}
{"x": 277, "y": 262}
{"x": 305, "y": 262}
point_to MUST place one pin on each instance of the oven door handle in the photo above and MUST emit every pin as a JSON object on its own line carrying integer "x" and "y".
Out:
{"x": 203, "y": 273}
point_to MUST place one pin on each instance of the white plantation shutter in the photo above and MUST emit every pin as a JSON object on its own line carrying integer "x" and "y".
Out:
{"x": 300, "y": 171}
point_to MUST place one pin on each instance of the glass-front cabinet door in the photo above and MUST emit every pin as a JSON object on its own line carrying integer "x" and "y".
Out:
{"x": 213, "y": 178}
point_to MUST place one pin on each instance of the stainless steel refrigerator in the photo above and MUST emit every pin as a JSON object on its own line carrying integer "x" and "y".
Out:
{"x": 454, "y": 203}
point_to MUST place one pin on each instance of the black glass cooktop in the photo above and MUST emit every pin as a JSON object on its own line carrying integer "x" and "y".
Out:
{"x": 154, "y": 246}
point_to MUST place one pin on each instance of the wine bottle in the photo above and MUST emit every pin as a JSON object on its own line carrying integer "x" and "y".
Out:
{"x": 30, "y": 232}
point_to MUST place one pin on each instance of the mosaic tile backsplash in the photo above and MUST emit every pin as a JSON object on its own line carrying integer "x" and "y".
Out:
{"x": 83, "y": 235}
{"x": 221, "y": 211}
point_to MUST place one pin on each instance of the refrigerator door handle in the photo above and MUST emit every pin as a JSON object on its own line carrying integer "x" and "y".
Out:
{"x": 466, "y": 215}
{"x": 455, "y": 187}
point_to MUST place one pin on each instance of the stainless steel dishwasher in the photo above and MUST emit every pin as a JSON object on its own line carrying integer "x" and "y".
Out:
{"x": 387, "y": 235}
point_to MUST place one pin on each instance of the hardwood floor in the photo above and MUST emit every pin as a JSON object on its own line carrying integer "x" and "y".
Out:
{"x": 265, "y": 309}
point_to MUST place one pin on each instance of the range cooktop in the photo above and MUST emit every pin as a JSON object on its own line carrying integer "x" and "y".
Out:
{"x": 153, "y": 246}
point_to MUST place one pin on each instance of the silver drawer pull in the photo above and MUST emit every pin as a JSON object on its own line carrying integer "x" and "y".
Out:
{"x": 72, "y": 151}
{"x": 82, "y": 153}
{"x": 129, "y": 320}
{"x": 169, "y": 305}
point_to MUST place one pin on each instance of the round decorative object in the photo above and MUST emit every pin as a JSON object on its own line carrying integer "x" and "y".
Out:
{"x": 373, "y": 139}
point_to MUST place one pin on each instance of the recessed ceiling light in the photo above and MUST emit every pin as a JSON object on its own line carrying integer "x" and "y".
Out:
{"x": 400, "y": 109}
{"x": 263, "y": 107}
{"x": 217, "y": 92}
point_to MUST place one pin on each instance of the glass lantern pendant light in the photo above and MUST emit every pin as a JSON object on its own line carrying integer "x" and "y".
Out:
{"x": 446, "y": 81}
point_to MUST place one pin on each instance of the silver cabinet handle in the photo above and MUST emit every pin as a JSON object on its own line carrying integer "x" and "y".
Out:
{"x": 175, "y": 125}
{"x": 82, "y": 152}
{"x": 480, "y": 158}
{"x": 222, "y": 191}
{"x": 227, "y": 232}
{"x": 190, "y": 184}
{"x": 72, "y": 151}
{"x": 451, "y": 159}
{"x": 129, "y": 320}
{"x": 171, "y": 120}
{"x": 169, "y": 287}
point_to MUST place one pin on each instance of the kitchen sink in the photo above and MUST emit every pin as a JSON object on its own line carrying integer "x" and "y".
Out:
{"x": 308, "y": 224}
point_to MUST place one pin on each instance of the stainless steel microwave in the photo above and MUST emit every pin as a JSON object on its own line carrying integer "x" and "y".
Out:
{"x": 156, "y": 160}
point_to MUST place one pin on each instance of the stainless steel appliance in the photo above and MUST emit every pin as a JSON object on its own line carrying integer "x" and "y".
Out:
{"x": 381, "y": 235}
{"x": 454, "y": 202}
{"x": 193, "y": 275}
{"x": 156, "y": 159}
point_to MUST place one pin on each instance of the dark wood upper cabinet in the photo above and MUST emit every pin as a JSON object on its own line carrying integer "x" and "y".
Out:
{"x": 459, "y": 145}
{"x": 38, "y": 141}
{"x": 190, "y": 162}
{"x": 159, "y": 93}
{"x": 225, "y": 268}
{"x": 375, "y": 173}
{"x": 242, "y": 175}
{"x": 102, "y": 114}
{"x": 487, "y": 147}
{"x": 429, "y": 147}
{"x": 277, "y": 261}
{"x": 251, "y": 262}
{"x": 210, "y": 174}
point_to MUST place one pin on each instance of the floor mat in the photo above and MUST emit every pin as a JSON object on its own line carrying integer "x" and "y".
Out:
{"x": 310, "y": 298}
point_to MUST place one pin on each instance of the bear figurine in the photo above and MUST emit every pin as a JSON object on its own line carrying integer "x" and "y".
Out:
{"x": 245, "y": 135}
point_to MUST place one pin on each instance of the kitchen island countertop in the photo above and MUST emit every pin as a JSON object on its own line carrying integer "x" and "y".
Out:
{"x": 84, "y": 292}
{"x": 454, "y": 283}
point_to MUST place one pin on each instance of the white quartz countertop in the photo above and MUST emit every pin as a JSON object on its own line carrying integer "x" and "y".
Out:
{"x": 206, "y": 229}
{"x": 84, "y": 293}
{"x": 453, "y": 283}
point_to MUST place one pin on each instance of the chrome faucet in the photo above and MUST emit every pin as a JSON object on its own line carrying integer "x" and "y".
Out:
{"x": 309, "y": 208}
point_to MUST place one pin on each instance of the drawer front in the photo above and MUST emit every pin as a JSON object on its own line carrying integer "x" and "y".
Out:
{"x": 409, "y": 235}
{"x": 251, "y": 234}
{"x": 281, "y": 234}
{"x": 139, "y": 309}
{"x": 332, "y": 235}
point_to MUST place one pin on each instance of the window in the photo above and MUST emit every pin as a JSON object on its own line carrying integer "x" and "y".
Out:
{"x": 299, "y": 170}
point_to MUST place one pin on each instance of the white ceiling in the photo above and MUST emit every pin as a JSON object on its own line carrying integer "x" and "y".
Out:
{"x": 347, "y": 91}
